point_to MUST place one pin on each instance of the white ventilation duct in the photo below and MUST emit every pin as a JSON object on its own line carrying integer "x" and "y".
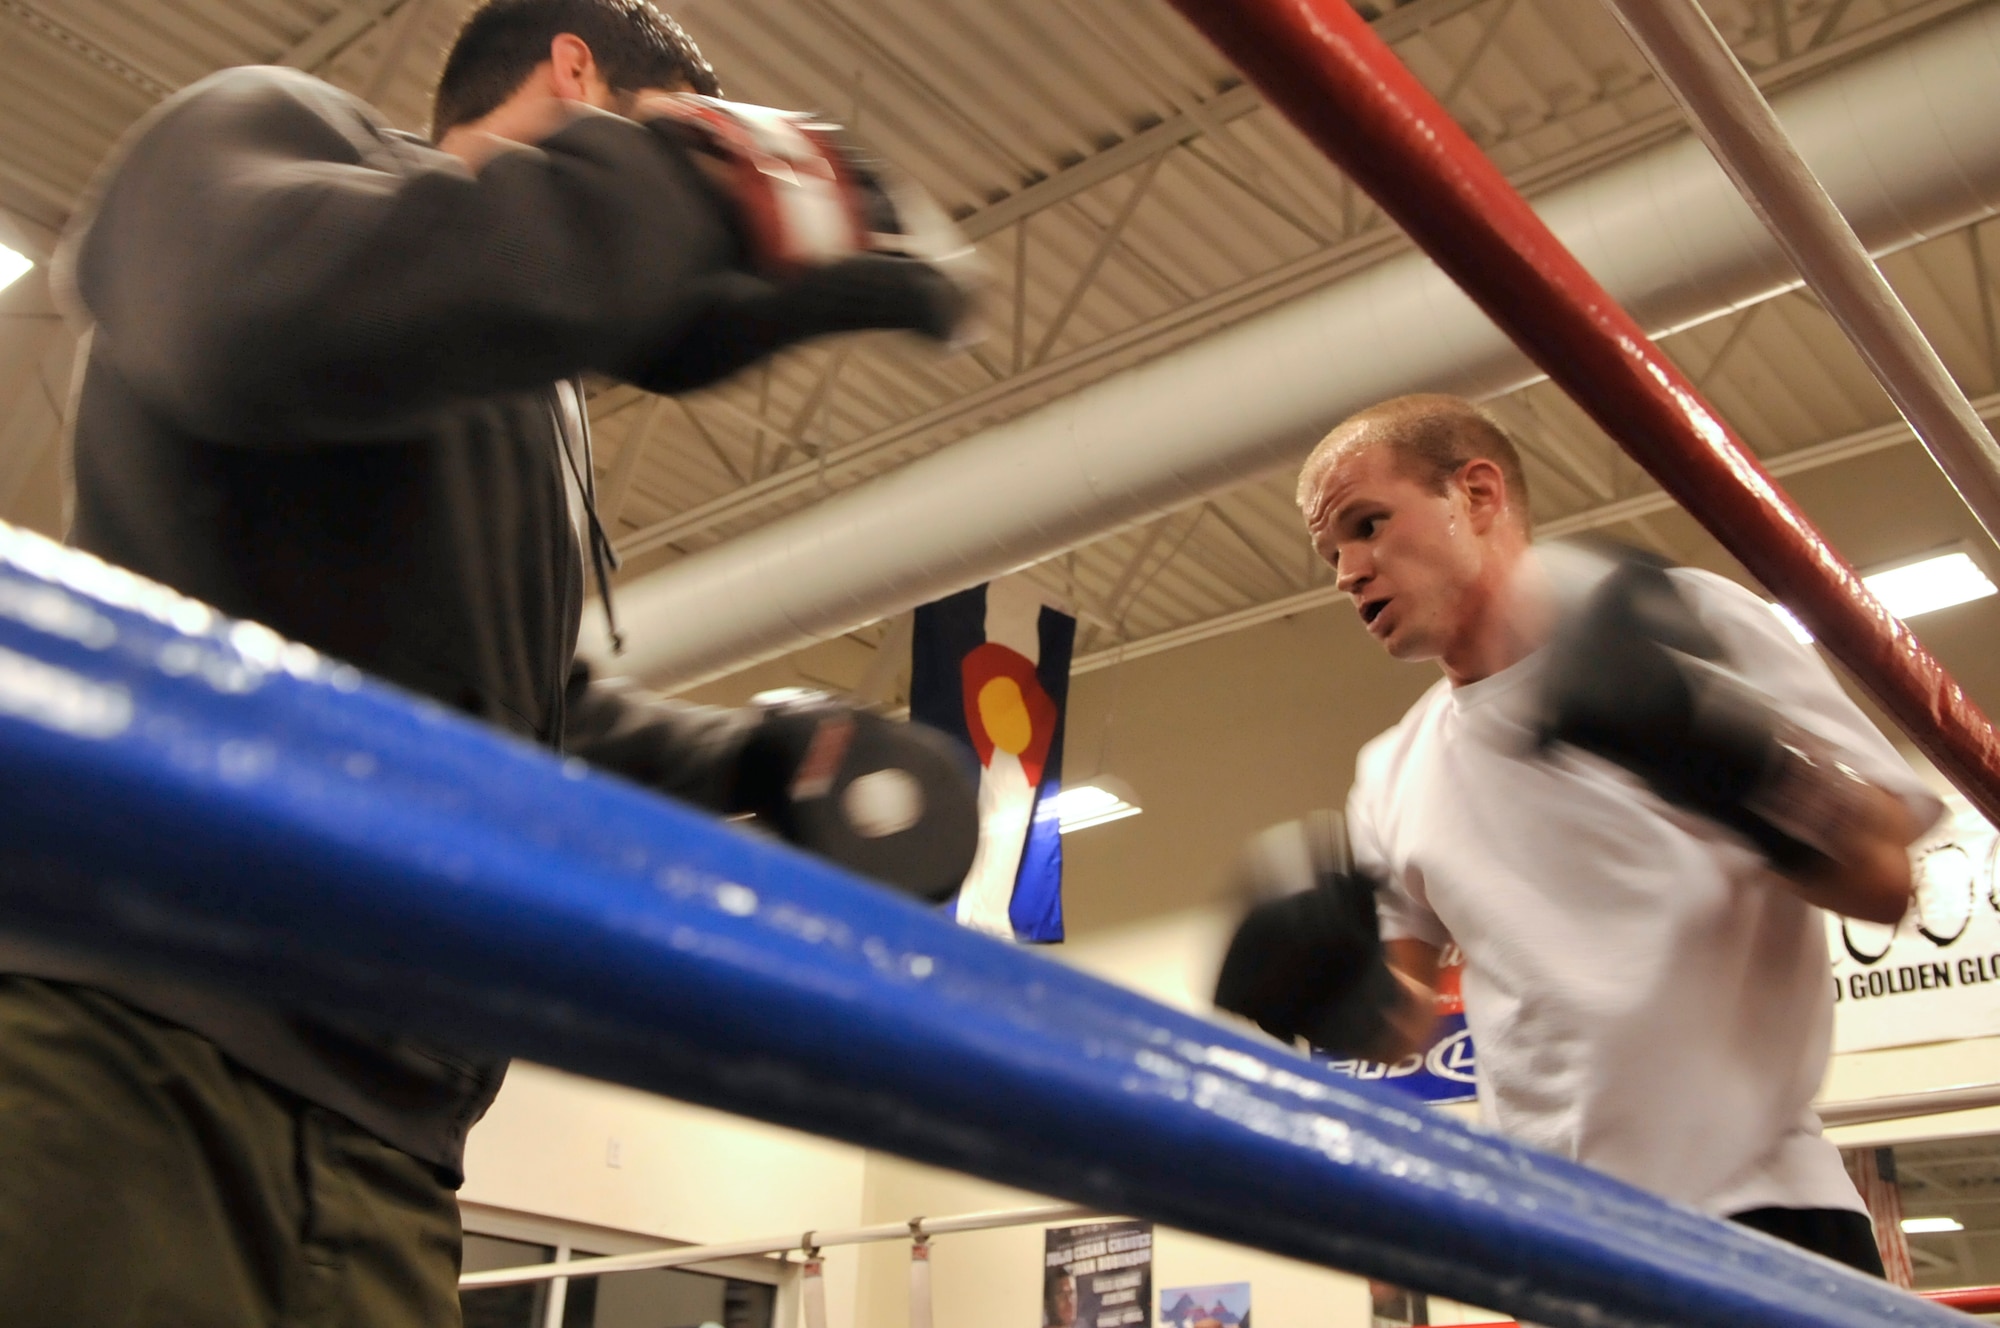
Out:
{"x": 1907, "y": 141}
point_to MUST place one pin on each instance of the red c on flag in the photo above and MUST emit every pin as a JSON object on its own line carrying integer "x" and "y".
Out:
{"x": 1006, "y": 708}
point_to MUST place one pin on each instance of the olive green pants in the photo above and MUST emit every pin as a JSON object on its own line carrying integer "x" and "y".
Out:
{"x": 145, "y": 1180}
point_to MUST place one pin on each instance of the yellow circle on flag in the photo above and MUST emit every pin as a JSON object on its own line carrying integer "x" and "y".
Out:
{"x": 1005, "y": 715}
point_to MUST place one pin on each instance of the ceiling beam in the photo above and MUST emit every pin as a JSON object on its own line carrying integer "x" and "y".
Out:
{"x": 1412, "y": 17}
{"x": 1796, "y": 462}
{"x": 1033, "y": 386}
{"x": 395, "y": 50}
{"x": 1107, "y": 243}
{"x": 318, "y": 48}
{"x": 1177, "y": 326}
{"x": 1114, "y": 161}
{"x": 126, "y": 68}
{"x": 1170, "y": 133}
{"x": 28, "y": 182}
{"x": 309, "y": 53}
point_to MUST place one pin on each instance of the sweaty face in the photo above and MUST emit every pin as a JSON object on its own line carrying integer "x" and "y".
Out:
{"x": 1405, "y": 557}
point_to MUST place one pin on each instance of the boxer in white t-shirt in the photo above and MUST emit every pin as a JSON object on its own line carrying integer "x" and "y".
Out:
{"x": 1627, "y": 813}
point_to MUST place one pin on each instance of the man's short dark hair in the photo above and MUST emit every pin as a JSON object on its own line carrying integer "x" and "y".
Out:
{"x": 635, "y": 46}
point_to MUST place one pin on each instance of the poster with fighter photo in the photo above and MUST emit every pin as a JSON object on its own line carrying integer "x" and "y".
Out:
{"x": 1218, "y": 1305}
{"x": 1934, "y": 976}
{"x": 1443, "y": 1072}
{"x": 1099, "y": 1275}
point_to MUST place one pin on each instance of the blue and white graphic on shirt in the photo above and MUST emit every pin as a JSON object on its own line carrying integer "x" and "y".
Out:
{"x": 1444, "y": 1072}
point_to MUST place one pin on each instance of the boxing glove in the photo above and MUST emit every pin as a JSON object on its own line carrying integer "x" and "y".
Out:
{"x": 891, "y": 801}
{"x": 888, "y": 800}
{"x": 1307, "y": 959}
{"x": 1634, "y": 677}
{"x": 807, "y": 197}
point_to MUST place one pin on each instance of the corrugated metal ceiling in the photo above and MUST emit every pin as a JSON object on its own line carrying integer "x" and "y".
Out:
{"x": 1128, "y": 192}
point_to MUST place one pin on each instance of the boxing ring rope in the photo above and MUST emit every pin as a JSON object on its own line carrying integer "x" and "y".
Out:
{"x": 1908, "y": 1106}
{"x": 1968, "y": 1300}
{"x": 198, "y": 798}
{"x": 1723, "y": 103}
{"x": 1335, "y": 80}
{"x": 1971, "y": 1300}
{"x": 684, "y": 1256}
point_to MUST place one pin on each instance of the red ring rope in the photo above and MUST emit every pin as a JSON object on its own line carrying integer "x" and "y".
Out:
{"x": 1318, "y": 63}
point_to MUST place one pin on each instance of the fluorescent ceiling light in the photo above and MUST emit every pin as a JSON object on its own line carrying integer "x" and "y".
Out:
{"x": 13, "y": 266}
{"x": 1914, "y": 588}
{"x": 1923, "y": 1226}
{"x": 1099, "y": 802}
{"x": 1934, "y": 583}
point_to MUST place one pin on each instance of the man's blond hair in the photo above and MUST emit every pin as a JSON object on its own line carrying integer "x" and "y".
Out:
{"x": 1432, "y": 437}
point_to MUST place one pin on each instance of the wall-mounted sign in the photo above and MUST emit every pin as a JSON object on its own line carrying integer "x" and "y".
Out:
{"x": 1218, "y": 1305}
{"x": 1935, "y": 976}
{"x": 1098, "y": 1275}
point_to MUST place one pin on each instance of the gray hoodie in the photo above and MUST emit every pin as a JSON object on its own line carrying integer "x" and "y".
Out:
{"x": 327, "y": 387}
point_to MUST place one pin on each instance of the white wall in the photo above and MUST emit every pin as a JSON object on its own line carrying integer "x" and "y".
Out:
{"x": 684, "y": 1173}
{"x": 992, "y": 1279}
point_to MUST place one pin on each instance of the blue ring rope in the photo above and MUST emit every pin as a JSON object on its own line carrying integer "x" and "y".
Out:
{"x": 199, "y": 798}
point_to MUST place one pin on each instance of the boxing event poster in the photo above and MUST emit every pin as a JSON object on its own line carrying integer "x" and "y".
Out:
{"x": 1098, "y": 1275}
{"x": 1219, "y": 1305}
{"x": 1934, "y": 976}
{"x": 1443, "y": 1072}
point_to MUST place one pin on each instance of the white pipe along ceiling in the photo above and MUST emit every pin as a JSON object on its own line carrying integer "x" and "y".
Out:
{"x": 1907, "y": 142}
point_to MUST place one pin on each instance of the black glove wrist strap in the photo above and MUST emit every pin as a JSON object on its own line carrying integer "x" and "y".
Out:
{"x": 1809, "y": 798}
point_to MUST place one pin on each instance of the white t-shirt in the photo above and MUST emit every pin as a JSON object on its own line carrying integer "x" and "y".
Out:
{"x": 1645, "y": 997}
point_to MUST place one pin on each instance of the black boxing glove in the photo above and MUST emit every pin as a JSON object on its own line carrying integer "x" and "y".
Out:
{"x": 1633, "y": 676}
{"x": 832, "y": 240}
{"x": 742, "y": 318}
{"x": 805, "y": 195}
{"x": 1307, "y": 961}
{"x": 889, "y": 800}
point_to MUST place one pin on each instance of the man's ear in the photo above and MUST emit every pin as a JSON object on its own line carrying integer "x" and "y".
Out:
{"x": 1485, "y": 489}
{"x": 572, "y": 67}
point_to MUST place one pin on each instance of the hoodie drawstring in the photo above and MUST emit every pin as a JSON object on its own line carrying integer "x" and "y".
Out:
{"x": 603, "y": 557}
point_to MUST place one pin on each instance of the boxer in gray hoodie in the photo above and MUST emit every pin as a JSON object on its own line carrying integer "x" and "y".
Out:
{"x": 332, "y": 383}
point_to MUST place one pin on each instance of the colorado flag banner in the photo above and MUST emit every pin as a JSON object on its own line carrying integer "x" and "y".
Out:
{"x": 990, "y": 666}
